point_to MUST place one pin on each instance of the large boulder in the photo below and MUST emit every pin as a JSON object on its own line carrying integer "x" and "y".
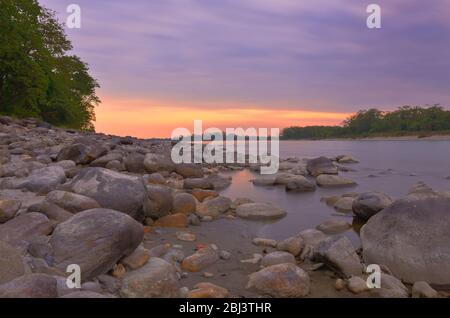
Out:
{"x": 412, "y": 239}
{"x": 95, "y": 240}
{"x": 325, "y": 180}
{"x": 368, "y": 204}
{"x": 259, "y": 211}
{"x": 71, "y": 202}
{"x": 30, "y": 286}
{"x": 321, "y": 165}
{"x": 157, "y": 279}
{"x": 280, "y": 281}
{"x": 113, "y": 190}
{"x": 11, "y": 263}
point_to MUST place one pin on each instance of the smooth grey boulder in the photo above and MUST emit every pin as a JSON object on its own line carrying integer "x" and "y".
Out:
{"x": 71, "y": 202}
{"x": 321, "y": 165}
{"x": 412, "y": 239}
{"x": 259, "y": 211}
{"x": 156, "y": 279}
{"x": 30, "y": 286}
{"x": 338, "y": 253}
{"x": 280, "y": 281}
{"x": 95, "y": 240}
{"x": 113, "y": 190}
{"x": 368, "y": 204}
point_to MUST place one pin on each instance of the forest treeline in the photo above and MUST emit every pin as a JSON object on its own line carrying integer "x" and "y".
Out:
{"x": 405, "y": 120}
{"x": 38, "y": 76}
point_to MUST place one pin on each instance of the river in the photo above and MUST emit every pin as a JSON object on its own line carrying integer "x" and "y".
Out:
{"x": 387, "y": 166}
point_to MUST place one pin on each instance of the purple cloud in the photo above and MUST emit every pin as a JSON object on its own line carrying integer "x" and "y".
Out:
{"x": 310, "y": 54}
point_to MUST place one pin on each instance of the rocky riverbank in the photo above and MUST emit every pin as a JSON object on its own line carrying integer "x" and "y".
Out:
{"x": 140, "y": 226}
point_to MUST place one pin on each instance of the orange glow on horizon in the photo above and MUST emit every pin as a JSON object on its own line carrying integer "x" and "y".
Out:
{"x": 156, "y": 119}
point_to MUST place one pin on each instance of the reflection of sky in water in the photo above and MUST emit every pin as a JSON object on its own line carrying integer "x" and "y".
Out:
{"x": 394, "y": 165}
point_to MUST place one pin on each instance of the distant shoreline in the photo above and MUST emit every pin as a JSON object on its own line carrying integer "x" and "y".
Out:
{"x": 381, "y": 138}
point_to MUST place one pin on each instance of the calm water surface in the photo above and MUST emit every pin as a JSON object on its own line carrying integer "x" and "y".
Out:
{"x": 388, "y": 166}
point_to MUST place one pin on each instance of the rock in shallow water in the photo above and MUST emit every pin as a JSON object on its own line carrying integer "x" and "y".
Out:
{"x": 201, "y": 259}
{"x": 334, "y": 181}
{"x": 95, "y": 240}
{"x": 321, "y": 165}
{"x": 280, "y": 281}
{"x": 368, "y": 204}
{"x": 412, "y": 239}
{"x": 259, "y": 211}
{"x": 214, "y": 206}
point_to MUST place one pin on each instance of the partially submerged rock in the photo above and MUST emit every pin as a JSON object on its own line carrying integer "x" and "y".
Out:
{"x": 321, "y": 165}
{"x": 259, "y": 211}
{"x": 334, "y": 181}
{"x": 368, "y": 204}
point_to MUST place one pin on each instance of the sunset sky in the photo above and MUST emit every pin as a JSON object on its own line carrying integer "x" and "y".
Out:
{"x": 257, "y": 63}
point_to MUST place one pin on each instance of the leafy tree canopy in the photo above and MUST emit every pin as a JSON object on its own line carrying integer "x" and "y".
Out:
{"x": 38, "y": 76}
{"x": 405, "y": 120}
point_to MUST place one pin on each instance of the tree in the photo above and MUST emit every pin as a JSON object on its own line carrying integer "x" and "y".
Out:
{"x": 38, "y": 77}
